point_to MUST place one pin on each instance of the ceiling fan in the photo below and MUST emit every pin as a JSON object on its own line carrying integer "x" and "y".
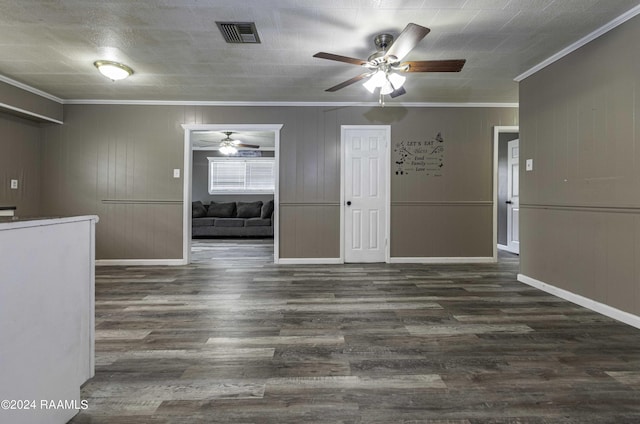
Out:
{"x": 229, "y": 146}
{"x": 384, "y": 65}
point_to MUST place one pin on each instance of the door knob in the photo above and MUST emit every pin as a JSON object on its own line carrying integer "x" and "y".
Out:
{"x": 509, "y": 202}
{"x": 348, "y": 202}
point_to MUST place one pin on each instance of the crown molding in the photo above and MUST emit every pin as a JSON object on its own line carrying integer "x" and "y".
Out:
{"x": 280, "y": 104}
{"x": 581, "y": 42}
{"x": 30, "y": 89}
{"x": 246, "y": 103}
{"x": 28, "y": 114}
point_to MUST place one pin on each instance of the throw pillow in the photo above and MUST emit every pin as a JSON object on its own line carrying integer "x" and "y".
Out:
{"x": 249, "y": 210}
{"x": 198, "y": 210}
{"x": 267, "y": 210}
{"x": 222, "y": 210}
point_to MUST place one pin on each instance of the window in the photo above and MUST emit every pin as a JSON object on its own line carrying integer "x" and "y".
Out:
{"x": 241, "y": 175}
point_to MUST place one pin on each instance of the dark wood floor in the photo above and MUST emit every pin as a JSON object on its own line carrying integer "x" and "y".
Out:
{"x": 239, "y": 340}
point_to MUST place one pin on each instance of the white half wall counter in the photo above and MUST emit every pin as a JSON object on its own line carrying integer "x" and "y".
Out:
{"x": 47, "y": 317}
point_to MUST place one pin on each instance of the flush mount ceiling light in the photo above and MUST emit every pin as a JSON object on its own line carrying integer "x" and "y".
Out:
{"x": 113, "y": 70}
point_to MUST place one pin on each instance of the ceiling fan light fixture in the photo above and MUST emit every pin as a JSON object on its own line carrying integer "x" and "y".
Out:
{"x": 387, "y": 88}
{"x": 382, "y": 65}
{"x": 227, "y": 145}
{"x": 370, "y": 85}
{"x": 113, "y": 70}
{"x": 397, "y": 80}
{"x": 227, "y": 149}
{"x": 379, "y": 78}
{"x": 388, "y": 82}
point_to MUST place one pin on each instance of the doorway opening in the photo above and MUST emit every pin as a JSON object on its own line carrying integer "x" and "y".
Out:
{"x": 203, "y": 162}
{"x": 506, "y": 186}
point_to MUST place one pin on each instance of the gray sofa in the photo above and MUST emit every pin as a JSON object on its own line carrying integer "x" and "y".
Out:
{"x": 232, "y": 219}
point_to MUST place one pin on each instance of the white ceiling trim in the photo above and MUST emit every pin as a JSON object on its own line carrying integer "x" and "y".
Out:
{"x": 284, "y": 104}
{"x": 581, "y": 42}
{"x": 30, "y": 89}
{"x": 28, "y": 113}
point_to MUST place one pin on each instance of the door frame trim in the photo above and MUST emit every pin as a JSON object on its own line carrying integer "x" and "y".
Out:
{"x": 387, "y": 186}
{"x": 187, "y": 175}
{"x": 497, "y": 130}
{"x": 510, "y": 248}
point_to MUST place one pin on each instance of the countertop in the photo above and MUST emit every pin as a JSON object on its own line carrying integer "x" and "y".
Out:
{"x": 10, "y": 223}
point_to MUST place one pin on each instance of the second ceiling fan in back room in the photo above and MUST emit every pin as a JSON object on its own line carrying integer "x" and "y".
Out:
{"x": 385, "y": 66}
{"x": 228, "y": 146}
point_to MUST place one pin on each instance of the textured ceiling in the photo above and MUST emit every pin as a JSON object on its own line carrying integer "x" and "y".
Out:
{"x": 178, "y": 53}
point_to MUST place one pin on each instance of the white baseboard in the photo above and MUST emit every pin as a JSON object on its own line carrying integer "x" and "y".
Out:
{"x": 309, "y": 261}
{"x": 442, "y": 260}
{"x": 601, "y": 308}
{"x": 503, "y": 247}
{"x": 140, "y": 262}
{"x": 507, "y": 249}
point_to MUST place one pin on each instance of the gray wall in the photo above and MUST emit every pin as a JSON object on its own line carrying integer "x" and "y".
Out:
{"x": 116, "y": 161}
{"x": 451, "y": 215}
{"x": 580, "y": 206}
{"x": 200, "y": 182}
{"x": 20, "y": 158}
{"x": 503, "y": 168}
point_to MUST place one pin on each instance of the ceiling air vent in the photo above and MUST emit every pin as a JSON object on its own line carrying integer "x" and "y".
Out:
{"x": 239, "y": 32}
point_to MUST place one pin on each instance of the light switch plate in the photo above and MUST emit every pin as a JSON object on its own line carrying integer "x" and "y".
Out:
{"x": 14, "y": 184}
{"x": 529, "y": 165}
{"x": 176, "y": 173}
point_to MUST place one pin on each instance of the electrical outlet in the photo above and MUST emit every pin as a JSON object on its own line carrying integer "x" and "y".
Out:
{"x": 14, "y": 184}
{"x": 176, "y": 173}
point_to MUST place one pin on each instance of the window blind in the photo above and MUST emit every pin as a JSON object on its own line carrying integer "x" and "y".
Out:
{"x": 227, "y": 175}
{"x": 240, "y": 175}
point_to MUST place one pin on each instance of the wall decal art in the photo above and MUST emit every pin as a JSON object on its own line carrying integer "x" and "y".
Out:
{"x": 420, "y": 157}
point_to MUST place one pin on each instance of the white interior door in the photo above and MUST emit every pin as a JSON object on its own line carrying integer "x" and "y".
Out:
{"x": 513, "y": 197}
{"x": 365, "y": 194}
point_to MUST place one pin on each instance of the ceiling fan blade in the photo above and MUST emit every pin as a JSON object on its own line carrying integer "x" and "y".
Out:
{"x": 410, "y": 36}
{"x": 345, "y": 59}
{"x": 249, "y": 146}
{"x": 348, "y": 82}
{"x": 435, "y": 65}
{"x": 398, "y": 92}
